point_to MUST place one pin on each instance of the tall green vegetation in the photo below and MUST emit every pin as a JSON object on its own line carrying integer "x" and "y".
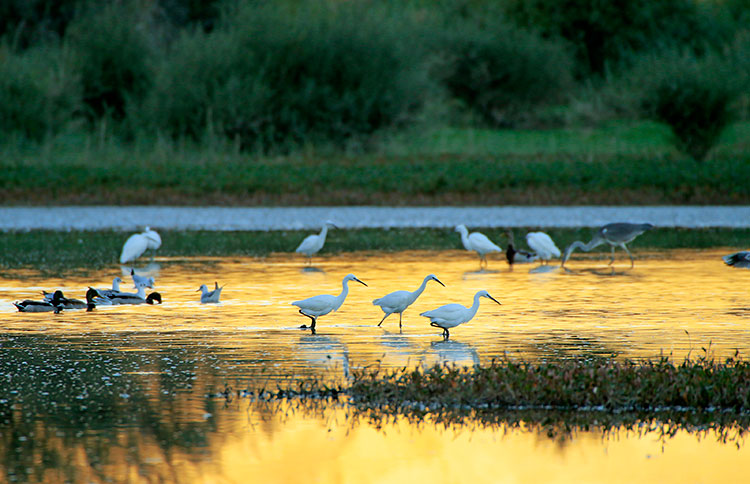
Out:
{"x": 693, "y": 96}
{"x": 38, "y": 92}
{"x": 604, "y": 32}
{"x": 280, "y": 75}
{"x": 501, "y": 72}
{"x": 298, "y": 74}
{"x": 112, "y": 56}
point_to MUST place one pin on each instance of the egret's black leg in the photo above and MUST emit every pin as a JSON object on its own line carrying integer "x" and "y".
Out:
{"x": 312, "y": 325}
{"x": 381, "y": 321}
{"x": 399, "y": 320}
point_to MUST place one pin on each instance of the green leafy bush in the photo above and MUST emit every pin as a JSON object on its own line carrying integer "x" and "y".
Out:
{"x": 501, "y": 72}
{"x": 290, "y": 75}
{"x": 603, "y": 31}
{"x": 112, "y": 56}
{"x": 39, "y": 96}
{"x": 693, "y": 95}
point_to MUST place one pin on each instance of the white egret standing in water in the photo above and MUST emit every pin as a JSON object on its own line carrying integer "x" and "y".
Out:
{"x": 316, "y": 306}
{"x": 398, "y": 301}
{"x": 478, "y": 242}
{"x": 451, "y": 315}
{"x": 615, "y": 234}
{"x": 137, "y": 244}
{"x": 313, "y": 243}
{"x": 543, "y": 245}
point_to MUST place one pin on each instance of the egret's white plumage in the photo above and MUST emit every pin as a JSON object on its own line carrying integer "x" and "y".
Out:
{"x": 398, "y": 301}
{"x": 210, "y": 296}
{"x": 139, "y": 243}
{"x": 451, "y": 315}
{"x": 738, "y": 259}
{"x": 615, "y": 234}
{"x": 316, "y": 306}
{"x": 543, "y": 245}
{"x": 478, "y": 242}
{"x": 313, "y": 243}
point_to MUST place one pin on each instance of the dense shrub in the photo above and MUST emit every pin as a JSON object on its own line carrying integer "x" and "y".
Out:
{"x": 604, "y": 31}
{"x": 693, "y": 95}
{"x": 292, "y": 75}
{"x": 38, "y": 95}
{"x": 112, "y": 56}
{"x": 501, "y": 72}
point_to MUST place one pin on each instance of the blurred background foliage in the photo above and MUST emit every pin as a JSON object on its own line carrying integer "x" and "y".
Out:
{"x": 283, "y": 76}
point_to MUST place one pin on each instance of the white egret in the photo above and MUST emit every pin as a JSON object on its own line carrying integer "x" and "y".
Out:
{"x": 398, "y": 301}
{"x": 738, "y": 259}
{"x": 313, "y": 243}
{"x": 210, "y": 296}
{"x": 543, "y": 245}
{"x": 137, "y": 244}
{"x": 615, "y": 234}
{"x": 517, "y": 256}
{"x": 477, "y": 242}
{"x": 316, "y": 306}
{"x": 141, "y": 281}
{"x": 451, "y": 315}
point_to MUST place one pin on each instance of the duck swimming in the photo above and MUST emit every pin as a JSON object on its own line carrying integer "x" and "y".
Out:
{"x": 29, "y": 306}
{"x": 133, "y": 298}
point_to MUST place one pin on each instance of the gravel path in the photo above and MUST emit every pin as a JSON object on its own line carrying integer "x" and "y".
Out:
{"x": 288, "y": 218}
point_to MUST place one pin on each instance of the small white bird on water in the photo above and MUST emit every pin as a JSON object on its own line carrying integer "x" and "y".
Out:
{"x": 210, "y": 296}
{"x": 477, "y": 242}
{"x": 398, "y": 301}
{"x": 316, "y": 306}
{"x": 451, "y": 315}
{"x": 738, "y": 259}
{"x": 141, "y": 281}
{"x": 137, "y": 244}
{"x": 543, "y": 245}
{"x": 313, "y": 243}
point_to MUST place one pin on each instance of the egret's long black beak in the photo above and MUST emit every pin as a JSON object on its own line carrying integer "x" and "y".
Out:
{"x": 494, "y": 299}
{"x": 438, "y": 281}
{"x": 360, "y": 281}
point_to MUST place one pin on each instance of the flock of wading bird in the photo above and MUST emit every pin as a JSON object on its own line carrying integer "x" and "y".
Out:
{"x": 445, "y": 317}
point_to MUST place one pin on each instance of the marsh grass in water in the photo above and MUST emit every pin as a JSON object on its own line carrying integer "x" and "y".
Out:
{"x": 60, "y": 253}
{"x": 556, "y": 398}
{"x": 699, "y": 384}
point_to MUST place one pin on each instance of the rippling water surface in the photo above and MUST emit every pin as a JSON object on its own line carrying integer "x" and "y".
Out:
{"x": 120, "y": 394}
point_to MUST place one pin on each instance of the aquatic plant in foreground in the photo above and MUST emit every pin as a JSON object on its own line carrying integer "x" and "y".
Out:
{"x": 597, "y": 384}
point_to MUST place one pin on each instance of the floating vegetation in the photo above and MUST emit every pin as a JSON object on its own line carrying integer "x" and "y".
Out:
{"x": 592, "y": 384}
{"x": 555, "y": 398}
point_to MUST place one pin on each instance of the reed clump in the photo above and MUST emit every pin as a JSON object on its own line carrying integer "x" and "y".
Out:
{"x": 700, "y": 384}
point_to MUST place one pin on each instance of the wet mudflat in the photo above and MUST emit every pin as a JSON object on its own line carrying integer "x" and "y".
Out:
{"x": 129, "y": 394}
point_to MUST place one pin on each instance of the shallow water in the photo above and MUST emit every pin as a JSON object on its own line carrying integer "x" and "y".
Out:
{"x": 127, "y": 394}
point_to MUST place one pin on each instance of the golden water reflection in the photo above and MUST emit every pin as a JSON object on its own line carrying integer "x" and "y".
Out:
{"x": 673, "y": 304}
{"x": 123, "y": 394}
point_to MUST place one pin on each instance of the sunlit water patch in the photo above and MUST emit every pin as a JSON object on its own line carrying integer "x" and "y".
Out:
{"x": 124, "y": 393}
